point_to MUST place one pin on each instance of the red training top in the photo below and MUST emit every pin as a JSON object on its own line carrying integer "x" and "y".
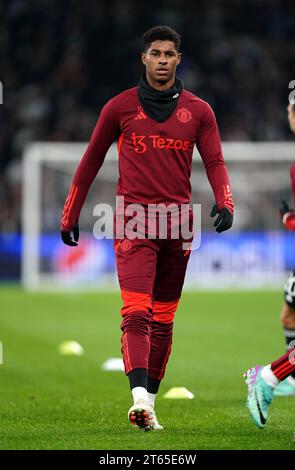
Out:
{"x": 154, "y": 158}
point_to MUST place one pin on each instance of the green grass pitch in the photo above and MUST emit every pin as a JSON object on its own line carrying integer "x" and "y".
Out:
{"x": 49, "y": 401}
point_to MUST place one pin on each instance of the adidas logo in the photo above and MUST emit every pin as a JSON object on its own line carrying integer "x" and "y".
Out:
{"x": 140, "y": 115}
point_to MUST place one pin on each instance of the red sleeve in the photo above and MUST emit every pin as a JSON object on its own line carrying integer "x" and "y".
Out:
{"x": 209, "y": 146}
{"x": 105, "y": 132}
{"x": 289, "y": 220}
{"x": 292, "y": 174}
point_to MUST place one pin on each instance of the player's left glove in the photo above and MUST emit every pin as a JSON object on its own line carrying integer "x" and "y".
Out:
{"x": 284, "y": 209}
{"x": 224, "y": 220}
{"x": 66, "y": 236}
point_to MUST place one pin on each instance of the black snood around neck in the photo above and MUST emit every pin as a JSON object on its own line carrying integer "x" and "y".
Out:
{"x": 158, "y": 105}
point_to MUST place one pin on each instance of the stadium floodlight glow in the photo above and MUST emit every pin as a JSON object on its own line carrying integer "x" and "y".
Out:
{"x": 260, "y": 179}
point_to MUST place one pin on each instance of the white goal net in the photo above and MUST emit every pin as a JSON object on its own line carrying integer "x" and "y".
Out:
{"x": 256, "y": 252}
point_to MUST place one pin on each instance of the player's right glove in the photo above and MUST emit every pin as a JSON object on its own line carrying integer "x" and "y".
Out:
{"x": 67, "y": 238}
{"x": 284, "y": 209}
{"x": 224, "y": 220}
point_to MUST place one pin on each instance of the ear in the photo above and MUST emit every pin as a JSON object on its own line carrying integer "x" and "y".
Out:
{"x": 179, "y": 58}
{"x": 143, "y": 58}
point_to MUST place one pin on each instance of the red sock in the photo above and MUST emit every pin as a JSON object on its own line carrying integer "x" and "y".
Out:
{"x": 135, "y": 340}
{"x": 160, "y": 348}
{"x": 285, "y": 365}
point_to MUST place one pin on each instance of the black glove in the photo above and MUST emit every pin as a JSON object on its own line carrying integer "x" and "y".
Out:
{"x": 224, "y": 220}
{"x": 284, "y": 209}
{"x": 66, "y": 236}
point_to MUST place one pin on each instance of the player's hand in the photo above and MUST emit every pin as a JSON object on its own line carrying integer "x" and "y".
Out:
{"x": 67, "y": 238}
{"x": 224, "y": 220}
{"x": 284, "y": 209}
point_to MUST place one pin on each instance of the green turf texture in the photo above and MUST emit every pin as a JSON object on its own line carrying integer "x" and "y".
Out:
{"x": 49, "y": 401}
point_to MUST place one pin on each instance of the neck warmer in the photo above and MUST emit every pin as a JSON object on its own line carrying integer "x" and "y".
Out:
{"x": 158, "y": 105}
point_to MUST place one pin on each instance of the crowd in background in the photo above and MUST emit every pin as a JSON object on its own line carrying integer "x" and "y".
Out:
{"x": 61, "y": 60}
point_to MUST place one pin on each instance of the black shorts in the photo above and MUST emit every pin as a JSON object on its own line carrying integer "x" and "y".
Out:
{"x": 290, "y": 290}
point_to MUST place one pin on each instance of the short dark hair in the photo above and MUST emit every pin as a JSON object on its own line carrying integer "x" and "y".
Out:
{"x": 161, "y": 33}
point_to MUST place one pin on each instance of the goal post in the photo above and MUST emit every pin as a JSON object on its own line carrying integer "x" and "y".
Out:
{"x": 255, "y": 253}
{"x": 40, "y": 159}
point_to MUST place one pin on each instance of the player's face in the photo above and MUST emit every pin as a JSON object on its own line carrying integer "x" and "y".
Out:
{"x": 291, "y": 117}
{"x": 161, "y": 60}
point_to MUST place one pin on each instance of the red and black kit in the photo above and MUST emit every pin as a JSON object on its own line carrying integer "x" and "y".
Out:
{"x": 154, "y": 167}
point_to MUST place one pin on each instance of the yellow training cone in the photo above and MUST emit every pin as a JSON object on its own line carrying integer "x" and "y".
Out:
{"x": 178, "y": 392}
{"x": 70, "y": 348}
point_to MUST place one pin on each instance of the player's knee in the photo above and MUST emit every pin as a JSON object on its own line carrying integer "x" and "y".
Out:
{"x": 164, "y": 317}
{"x": 288, "y": 316}
{"x": 164, "y": 312}
{"x": 135, "y": 302}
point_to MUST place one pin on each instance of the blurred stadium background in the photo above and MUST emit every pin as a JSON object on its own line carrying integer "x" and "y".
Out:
{"x": 60, "y": 61}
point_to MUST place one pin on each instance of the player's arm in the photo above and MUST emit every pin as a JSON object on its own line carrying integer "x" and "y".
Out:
{"x": 105, "y": 132}
{"x": 287, "y": 216}
{"x": 209, "y": 146}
